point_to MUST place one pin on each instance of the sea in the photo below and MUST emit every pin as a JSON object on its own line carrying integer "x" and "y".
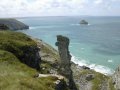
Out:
{"x": 96, "y": 45}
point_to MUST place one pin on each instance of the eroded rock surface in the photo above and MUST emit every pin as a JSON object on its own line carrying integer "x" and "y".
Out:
{"x": 65, "y": 60}
{"x": 116, "y": 78}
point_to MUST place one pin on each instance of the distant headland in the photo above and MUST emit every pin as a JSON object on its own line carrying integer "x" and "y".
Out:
{"x": 12, "y": 24}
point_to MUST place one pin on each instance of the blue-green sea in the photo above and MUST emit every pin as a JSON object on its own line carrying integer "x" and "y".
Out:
{"x": 96, "y": 45}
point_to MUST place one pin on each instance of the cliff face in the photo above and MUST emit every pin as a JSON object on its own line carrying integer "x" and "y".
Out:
{"x": 12, "y": 24}
{"x": 116, "y": 79}
{"x": 23, "y": 47}
{"x": 16, "y": 48}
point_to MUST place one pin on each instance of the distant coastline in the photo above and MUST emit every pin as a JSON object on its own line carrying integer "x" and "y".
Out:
{"x": 12, "y": 24}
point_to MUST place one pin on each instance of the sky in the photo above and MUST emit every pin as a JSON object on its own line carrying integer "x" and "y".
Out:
{"x": 24, "y": 8}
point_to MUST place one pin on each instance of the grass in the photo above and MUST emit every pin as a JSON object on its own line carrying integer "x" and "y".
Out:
{"x": 16, "y": 43}
{"x": 98, "y": 80}
{"x": 111, "y": 84}
{"x": 15, "y": 75}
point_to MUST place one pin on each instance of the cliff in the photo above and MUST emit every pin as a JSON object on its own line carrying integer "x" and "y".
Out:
{"x": 12, "y": 24}
{"x": 22, "y": 68}
{"x": 23, "y": 47}
{"x": 27, "y": 63}
{"x": 116, "y": 78}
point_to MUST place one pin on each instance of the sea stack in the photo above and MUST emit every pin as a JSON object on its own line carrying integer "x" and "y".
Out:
{"x": 83, "y": 22}
{"x": 65, "y": 60}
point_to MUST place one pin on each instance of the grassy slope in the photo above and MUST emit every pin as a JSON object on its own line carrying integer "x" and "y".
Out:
{"x": 15, "y": 75}
{"x": 15, "y": 42}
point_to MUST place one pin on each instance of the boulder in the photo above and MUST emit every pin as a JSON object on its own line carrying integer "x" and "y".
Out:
{"x": 85, "y": 67}
{"x": 90, "y": 77}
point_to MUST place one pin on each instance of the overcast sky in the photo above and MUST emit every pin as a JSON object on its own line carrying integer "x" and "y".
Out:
{"x": 22, "y": 8}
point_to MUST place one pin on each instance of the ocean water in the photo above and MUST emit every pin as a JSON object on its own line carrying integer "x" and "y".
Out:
{"x": 96, "y": 45}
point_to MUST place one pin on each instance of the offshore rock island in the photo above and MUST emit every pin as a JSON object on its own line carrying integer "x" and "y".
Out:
{"x": 83, "y": 22}
{"x": 27, "y": 63}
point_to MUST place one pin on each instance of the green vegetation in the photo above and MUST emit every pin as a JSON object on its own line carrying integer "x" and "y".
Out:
{"x": 99, "y": 79}
{"x": 15, "y": 75}
{"x": 111, "y": 85}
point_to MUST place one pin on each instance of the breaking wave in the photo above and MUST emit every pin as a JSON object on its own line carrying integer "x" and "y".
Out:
{"x": 98, "y": 68}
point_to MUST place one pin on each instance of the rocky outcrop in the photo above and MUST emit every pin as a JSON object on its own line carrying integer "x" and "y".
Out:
{"x": 116, "y": 79}
{"x": 65, "y": 60}
{"x": 60, "y": 85}
{"x": 12, "y": 24}
{"x": 32, "y": 57}
{"x": 22, "y": 46}
{"x": 3, "y": 27}
{"x": 84, "y": 22}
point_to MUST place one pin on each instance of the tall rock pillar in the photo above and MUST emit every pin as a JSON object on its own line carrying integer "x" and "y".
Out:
{"x": 65, "y": 59}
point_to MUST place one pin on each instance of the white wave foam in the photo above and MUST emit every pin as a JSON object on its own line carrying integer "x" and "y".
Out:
{"x": 110, "y": 61}
{"x": 82, "y": 48}
{"x": 49, "y": 26}
{"x": 74, "y": 24}
{"x": 98, "y": 68}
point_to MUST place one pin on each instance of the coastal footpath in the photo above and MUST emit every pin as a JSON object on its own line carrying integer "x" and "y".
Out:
{"x": 27, "y": 63}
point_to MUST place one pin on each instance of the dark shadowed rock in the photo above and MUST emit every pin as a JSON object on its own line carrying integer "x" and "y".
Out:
{"x": 32, "y": 54}
{"x": 12, "y": 24}
{"x": 85, "y": 67}
{"x": 60, "y": 85}
{"x": 90, "y": 77}
{"x": 3, "y": 27}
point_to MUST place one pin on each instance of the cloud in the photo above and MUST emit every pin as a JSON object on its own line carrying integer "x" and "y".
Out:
{"x": 98, "y": 1}
{"x": 56, "y": 7}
